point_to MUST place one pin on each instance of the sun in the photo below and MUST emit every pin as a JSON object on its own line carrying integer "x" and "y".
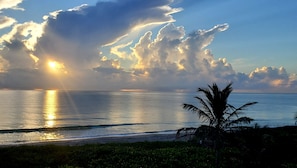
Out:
{"x": 56, "y": 67}
{"x": 52, "y": 64}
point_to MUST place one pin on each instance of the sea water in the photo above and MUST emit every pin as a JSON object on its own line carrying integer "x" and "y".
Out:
{"x": 42, "y": 115}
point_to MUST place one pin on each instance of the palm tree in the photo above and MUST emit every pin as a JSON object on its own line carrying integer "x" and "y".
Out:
{"x": 215, "y": 109}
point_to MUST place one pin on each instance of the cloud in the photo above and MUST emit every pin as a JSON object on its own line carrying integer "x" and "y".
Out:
{"x": 170, "y": 59}
{"x": 26, "y": 33}
{"x": 271, "y": 77}
{"x": 73, "y": 36}
{"x": 22, "y": 79}
{"x": 18, "y": 46}
{"x": 10, "y": 4}
{"x": 4, "y": 65}
{"x": 17, "y": 55}
{"x": 6, "y": 21}
{"x": 174, "y": 60}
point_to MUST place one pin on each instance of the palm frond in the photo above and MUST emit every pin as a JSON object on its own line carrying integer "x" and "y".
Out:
{"x": 241, "y": 120}
{"x": 243, "y": 107}
{"x": 205, "y": 105}
{"x": 201, "y": 114}
{"x": 227, "y": 90}
{"x": 237, "y": 111}
{"x": 190, "y": 107}
{"x": 207, "y": 94}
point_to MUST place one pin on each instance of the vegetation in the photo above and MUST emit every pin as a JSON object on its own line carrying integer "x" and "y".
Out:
{"x": 255, "y": 147}
{"x": 215, "y": 109}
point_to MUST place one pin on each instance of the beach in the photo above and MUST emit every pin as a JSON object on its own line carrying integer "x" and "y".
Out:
{"x": 103, "y": 140}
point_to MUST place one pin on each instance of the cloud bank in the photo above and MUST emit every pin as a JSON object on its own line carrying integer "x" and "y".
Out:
{"x": 65, "y": 52}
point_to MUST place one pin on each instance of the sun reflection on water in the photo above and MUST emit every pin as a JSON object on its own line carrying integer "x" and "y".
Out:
{"x": 50, "y": 136}
{"x": 50, "y": 108}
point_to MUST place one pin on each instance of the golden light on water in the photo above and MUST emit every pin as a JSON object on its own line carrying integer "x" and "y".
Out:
{"x": 50, "y": 136}
{"x": 50, "y": 115}
{"x": 50, "y": 108}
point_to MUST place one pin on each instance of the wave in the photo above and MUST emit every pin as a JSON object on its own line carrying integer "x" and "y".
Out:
{"x": 77, "y": 127}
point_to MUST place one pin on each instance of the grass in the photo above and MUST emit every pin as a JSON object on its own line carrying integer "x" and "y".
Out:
{"x": 142, "y": 154}
{"x": 259, "y": 147}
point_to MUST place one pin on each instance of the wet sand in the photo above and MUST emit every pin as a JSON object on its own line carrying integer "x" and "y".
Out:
{"x": 102, "y": 140}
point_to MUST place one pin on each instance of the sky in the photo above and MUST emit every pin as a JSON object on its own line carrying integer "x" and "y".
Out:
{"x": 153, "y": 45}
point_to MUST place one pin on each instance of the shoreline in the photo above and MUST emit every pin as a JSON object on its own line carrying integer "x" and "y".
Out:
{"x": 131, "y": 138}
{"x": 101, "y": 140}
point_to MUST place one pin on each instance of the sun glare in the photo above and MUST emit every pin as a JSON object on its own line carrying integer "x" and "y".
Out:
{"x": 52, "y": 64}
{"x": 55, "y": 66}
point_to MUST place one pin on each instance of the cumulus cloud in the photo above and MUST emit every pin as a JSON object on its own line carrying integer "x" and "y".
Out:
{"x": 83, "y": 29}
{"x": 167, "y": 60}
{"x": 268, "y": 77}
{"x": 174, "y": 60}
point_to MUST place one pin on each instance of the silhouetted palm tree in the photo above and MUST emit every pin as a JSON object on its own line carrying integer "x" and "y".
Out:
{"x": 215, "y": 109}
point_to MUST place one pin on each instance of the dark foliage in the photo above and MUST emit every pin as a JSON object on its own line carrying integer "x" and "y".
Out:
{"x": 144, "y": 154}
{"x": 266, "y": 147}
{"x": 249, "y": 147}
{"x": 214, "y": 109}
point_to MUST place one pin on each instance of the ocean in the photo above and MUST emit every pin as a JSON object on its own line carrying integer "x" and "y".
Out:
{"x": 46, "y": 115}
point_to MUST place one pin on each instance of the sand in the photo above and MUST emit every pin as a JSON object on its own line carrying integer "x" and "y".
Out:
{"x": 102, "y": 140}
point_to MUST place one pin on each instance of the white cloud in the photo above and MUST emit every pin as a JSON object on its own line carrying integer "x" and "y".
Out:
{"x": 27, "y": 32}
{"x": 173, "y": 59}
{"x": 10, "y": 4}
{"x": 6, "y": 21}
{"x": 271, "y": 76}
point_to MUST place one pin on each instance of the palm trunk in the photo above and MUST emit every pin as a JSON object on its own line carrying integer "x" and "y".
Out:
{"x": 217, "y": 146}
{"x": 217, "y": 158}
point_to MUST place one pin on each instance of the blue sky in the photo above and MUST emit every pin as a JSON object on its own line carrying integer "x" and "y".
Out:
{"x": 149, "y": 45}
{"x": 261, "y": 33}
